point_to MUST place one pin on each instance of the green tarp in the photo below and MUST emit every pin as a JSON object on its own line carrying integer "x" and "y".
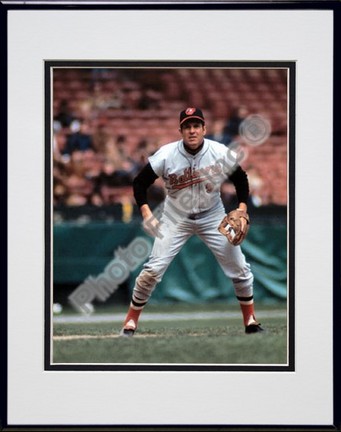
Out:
{"x": 80, "y": 251}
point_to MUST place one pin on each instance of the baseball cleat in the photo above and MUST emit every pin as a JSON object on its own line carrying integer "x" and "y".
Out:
{"x": 253, "y": 328}
{"x": 129, "y": 329}
{"x": 127, "y": 333}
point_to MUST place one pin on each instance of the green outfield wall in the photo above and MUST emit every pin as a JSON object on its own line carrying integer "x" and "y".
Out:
{"x": 83, "y": 250}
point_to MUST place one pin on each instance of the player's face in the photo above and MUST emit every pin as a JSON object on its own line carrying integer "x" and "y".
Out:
{"x": 193, "y": 133}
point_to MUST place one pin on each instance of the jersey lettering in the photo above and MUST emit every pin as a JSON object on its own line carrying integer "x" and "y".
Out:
{"x": 191, "y": 177}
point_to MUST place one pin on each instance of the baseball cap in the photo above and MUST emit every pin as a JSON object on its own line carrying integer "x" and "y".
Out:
{"x": 191, "y": 113}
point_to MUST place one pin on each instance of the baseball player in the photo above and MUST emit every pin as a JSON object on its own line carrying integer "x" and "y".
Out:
{"x": 193, "y": 170}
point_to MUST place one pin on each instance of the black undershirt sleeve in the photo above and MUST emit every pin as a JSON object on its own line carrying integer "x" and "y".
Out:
{"x": 141, "y": 183}
{"x": 147, "y": 177}
{"x": 241, "y": 183}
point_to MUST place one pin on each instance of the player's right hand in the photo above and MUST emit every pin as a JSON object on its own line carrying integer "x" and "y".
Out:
{"x": 152, "y": 226}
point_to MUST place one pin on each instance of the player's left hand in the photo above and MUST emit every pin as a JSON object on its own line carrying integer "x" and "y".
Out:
{"x": 235, "y": 226}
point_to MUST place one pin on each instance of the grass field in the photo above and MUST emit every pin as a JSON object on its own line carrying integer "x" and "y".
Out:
{"x": 195, "y": 334}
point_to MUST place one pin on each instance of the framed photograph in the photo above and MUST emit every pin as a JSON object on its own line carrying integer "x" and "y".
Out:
{"x": 127, "y": 111}
{"x": 95, "y": 95}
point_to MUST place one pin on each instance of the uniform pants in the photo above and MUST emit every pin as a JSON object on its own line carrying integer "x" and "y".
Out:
{"x": 173, "y": 235}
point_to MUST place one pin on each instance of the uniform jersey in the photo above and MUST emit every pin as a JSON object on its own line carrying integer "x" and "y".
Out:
{"x": 193, "y": 181}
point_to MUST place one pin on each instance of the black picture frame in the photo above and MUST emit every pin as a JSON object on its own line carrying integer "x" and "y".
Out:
{"x": 5, "y": 7}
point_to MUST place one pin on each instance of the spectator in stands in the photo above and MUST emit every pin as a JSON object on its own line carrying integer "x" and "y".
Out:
{"x": 100, "y": 138}
{"x": 145, "y": 148}
{"x": 113, "y": 187}
{"x": 114, "y": 156}
{"x": 79, "y": 188}
{"x": 103, "y": 98}
{"x": 103, "y": 178}
{"x": 256, "y": 185}
{"x": 237, "y": 117}
{"x": 80, "y": 139}
{"x": 59, "y": 192}
{"x": 92, "y": 163}
{"x": 128, "y": 163}
{"x": 59, "y": 177}
{"x": 149, "y": 99}
{"x": 59, "y": 144}
{"x": 64, "y": 117}
{"x": 218, "y": 133}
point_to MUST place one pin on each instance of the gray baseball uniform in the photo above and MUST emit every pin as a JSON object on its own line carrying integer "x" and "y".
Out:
{"x": 192, "y": 206}
{"x": 193, "y": 170}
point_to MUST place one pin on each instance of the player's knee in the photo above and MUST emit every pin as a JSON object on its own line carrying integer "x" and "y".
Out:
{"x": 147, "y": 278}
{"x": 145, "y": 283}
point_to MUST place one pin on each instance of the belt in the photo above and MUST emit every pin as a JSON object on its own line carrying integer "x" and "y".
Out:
{"x": 194, "y": 216}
